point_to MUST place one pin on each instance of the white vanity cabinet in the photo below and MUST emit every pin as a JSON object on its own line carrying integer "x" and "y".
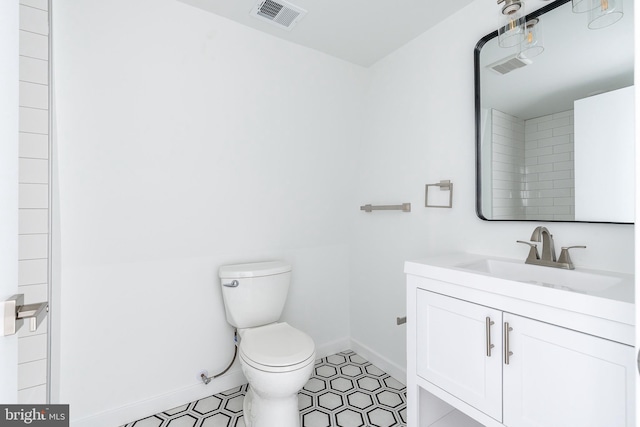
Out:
{"x": 504, "y": 360}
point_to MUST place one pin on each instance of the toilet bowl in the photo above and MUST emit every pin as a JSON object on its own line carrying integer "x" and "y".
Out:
{"x": 277, "y": 360}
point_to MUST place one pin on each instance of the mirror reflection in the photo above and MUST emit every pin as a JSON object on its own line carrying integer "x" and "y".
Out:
{"x": 555, "y": 124}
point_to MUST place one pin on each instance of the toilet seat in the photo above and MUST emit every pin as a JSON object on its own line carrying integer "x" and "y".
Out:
{"x": 277, "y": 347}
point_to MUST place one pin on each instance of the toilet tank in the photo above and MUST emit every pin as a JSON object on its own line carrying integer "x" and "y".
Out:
{"x": 254, "y": 294}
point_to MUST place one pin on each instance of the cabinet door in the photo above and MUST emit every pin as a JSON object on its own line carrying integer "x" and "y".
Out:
{"x": 451, "y": 347}
{"x": 559, "y": 377}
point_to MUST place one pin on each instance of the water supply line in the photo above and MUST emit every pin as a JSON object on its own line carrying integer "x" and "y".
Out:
{"x": 206, "y": 379}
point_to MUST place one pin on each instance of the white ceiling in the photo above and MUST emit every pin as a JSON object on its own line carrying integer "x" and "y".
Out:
{"x": 358, "y": 31}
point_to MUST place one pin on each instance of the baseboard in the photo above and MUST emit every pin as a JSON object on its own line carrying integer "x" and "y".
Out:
{"x": 396, "y": 371}
{"x": 333, "y": 347}
{"x": 235, "y": 378}
{"x": 142, "y": 409}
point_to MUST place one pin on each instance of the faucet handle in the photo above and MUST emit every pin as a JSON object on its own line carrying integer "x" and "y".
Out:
{"x": 533, "y": 251}
{"x": 564, "y": 257}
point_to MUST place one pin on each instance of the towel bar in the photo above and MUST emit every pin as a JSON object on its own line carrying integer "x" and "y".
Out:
{"x": 405, "y": 207}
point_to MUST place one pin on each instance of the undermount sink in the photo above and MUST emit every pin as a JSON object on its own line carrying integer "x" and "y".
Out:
{"x": 581, "y": 281}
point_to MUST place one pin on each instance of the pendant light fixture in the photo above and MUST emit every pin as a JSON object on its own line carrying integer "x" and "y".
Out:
{"x": 532, "y": 44}
{"x": 604, "y": 13}
{"x": 512, "y": 28}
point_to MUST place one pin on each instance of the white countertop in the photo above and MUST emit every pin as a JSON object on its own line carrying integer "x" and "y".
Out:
{"x": 612, "y": 301}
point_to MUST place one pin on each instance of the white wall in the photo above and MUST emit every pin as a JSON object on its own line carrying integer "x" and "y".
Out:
{"x": 185, "y": 142}
{"x": 419, "y": 129}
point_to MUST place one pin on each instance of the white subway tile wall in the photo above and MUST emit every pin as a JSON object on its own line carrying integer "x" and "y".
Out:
{"x": 34, "y": 19}
{"x": 34, "y": 95}
{"x": 34, "y": 120}
{"x": 38, "y": 4}
{"x": 34, "y": 70}
{"x": 32, "y": 246}
{"x": 32, "y": 271}
{"x": 508, "y": 165}
{"x": 34, "y": 45}
{"x": 33, "y": 254}
{"x": 533, "y": 167}
{"x": 550, "y": 170}
{"x": 33, "y": 171}
{"x": 34, "y": 221}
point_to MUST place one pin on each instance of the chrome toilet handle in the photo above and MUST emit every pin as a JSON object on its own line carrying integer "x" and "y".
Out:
{"x": 233, "y": 284}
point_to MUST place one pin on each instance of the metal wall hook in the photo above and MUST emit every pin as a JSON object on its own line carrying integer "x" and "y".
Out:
{"x": 16, "y": 312}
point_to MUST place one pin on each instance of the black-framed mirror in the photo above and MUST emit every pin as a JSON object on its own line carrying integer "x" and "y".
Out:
{"x": 555, "y": 132}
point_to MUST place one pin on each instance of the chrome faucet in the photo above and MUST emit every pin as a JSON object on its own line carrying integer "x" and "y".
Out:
{"x": 548, "y": 250}
{"x": 548, "y": 258}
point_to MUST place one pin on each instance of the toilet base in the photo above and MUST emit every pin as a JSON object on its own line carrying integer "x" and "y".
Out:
{"x": 280, "y": 412}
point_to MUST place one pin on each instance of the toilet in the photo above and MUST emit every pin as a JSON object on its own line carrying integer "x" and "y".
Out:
{"x": 276, "y": 358}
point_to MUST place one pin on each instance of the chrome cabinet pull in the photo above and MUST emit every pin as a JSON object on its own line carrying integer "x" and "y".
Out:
{"x": 507, "y": 353}
{"x": 488, "y": 323}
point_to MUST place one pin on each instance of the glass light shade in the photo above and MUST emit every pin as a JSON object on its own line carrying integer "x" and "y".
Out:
{"x": 512, "y": 28}
{"x": 581, "y": 6}
{"x": 604, "y": 13}
{"x": 533, "y": 44}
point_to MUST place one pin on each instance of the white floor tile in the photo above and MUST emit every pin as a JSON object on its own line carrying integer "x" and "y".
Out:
{"x": 345, "y": 390}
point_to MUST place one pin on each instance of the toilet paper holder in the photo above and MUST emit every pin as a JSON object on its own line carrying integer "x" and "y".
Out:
{"x": 16, "y": 312}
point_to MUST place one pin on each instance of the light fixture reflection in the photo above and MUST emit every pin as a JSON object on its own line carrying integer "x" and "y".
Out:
{"x": 533, "y": 44}
{"x": 512, "y": 28}
{"x": 581, "y": 6}
{"x": 604, "y": 13}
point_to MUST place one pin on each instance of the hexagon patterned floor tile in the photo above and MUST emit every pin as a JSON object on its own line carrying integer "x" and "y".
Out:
{"x": 344, "y": 391}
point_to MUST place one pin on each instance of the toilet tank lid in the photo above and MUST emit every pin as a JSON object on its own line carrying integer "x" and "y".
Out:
{"x": 254, "y": 269}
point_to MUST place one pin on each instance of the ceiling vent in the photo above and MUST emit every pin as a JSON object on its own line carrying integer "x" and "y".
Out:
{"x": 279, "y": 13}
{"x": 508, "y": 64}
